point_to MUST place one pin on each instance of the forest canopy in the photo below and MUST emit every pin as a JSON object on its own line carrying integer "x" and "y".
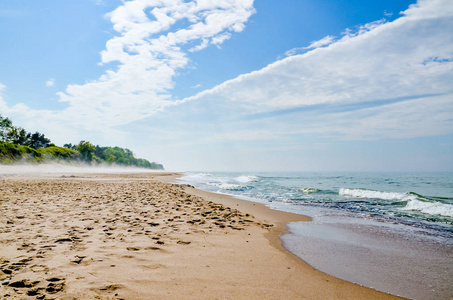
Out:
{"x": 16, "y": 144}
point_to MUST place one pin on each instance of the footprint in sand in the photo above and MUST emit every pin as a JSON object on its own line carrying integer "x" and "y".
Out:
{"x": 133, "y": 248}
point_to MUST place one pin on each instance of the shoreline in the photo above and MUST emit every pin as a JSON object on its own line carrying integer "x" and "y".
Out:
{"x": 136, "y": 236}
{"x": 352, "y": 245}
{"x": 278, "y": 218}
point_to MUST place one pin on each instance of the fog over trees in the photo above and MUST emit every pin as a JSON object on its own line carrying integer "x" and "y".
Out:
{"x": 16, "y": 144}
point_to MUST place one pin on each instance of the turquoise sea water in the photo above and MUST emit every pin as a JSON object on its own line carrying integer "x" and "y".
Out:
{"x": 417, "y": 199}
{"x": 389, "y": 231}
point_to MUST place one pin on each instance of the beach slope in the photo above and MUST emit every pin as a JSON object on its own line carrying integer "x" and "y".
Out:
{"x": 137, "y": 236}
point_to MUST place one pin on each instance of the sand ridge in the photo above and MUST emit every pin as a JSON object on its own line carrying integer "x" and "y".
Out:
{"x": 135, "y": 237}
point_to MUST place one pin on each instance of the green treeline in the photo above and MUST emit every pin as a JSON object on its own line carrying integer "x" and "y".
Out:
{"x": 16, "y": 144}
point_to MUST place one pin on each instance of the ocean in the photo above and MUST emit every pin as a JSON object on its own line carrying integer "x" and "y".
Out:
{"x": 389, "y": 231}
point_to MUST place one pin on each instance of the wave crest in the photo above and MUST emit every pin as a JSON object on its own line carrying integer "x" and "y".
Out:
{"x": 432, "y": 208}
{"x": 309, "y": 190}
{"x": 246, "y": 178}
{"x": 370, "y": 194}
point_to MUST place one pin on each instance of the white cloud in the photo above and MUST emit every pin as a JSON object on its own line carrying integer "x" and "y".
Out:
{"x": 149, "y": 56}
{"x": 50, "y": 82}
{"x": 422, "y": 117}
{"x": 148, "y": 51}
{"x": 204, "y": 43}
{"x": 363, "y": 28}
{"x": 381, "y": 80}
{"x": 45, "y": 121}
{"x": 388, "y": 13}
{"x": 313, "y": 45}
{"x": 426, "y": 116}
{"x": 429, "y": 9}
{"x": 322, "y": 42}
{"x": 401, "y": 62}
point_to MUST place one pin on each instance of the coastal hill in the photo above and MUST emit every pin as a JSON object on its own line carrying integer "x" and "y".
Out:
{"x": 18, "y": 145}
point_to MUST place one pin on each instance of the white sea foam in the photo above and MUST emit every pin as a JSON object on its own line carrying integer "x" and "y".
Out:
{"x": 219, "y": 183}
{"x": 197, "y": 176}
{"x": 246, "y": 178}
{"x": 224, "y": 185}
{"x": 370, "y": 194}
{"x": 230, "y": 186}
{"x": 320, "y": 191}
{"x": 432, "y": 208}
{"x": 309, "y": 190}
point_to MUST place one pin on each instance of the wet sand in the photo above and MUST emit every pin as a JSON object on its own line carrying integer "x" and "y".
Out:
{"x": 136, "y": 236}
{"x": 401, "y": 260}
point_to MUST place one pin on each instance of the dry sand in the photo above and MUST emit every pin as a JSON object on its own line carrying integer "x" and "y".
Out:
{"x": 138, "y": 237}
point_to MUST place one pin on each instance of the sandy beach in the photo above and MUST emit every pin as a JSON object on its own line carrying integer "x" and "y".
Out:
{"x": 138, "y": 236}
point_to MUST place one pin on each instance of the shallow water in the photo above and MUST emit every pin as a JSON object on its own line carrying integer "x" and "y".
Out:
{"x": 389, "y": 231}
{"x": 398, "y": 259}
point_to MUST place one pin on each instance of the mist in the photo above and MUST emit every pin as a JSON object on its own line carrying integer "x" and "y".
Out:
{"x": 69, "y": 168}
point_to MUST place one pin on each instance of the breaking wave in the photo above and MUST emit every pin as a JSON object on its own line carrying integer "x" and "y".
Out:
{"x": 380, "y": 198}
{"x": 309, "y": 190}
{"x": 432, "y": 208}
{"x": 370, "y": 194}
{"x": 246, "y": 178}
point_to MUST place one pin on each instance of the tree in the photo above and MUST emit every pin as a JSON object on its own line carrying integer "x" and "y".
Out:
{"x": 70, "y": 146}
{"x": 5, "y": 127}
{"x": 19, "y": 136}
{"x": 86, "y": 149}
{"x": 16, "y": 143}
{"x": 38, "y": 140}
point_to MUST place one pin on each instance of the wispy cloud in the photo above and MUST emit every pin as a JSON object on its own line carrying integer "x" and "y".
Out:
{"x": 149, "y": 49}
{"x": 408, "y": 57}
{"x": 322, "y": 42}
{"x": 315, "y": 44}
{"x": 402, "y": 59}
{"x": 388, "y": 14}
{"x": 50, "y": 82}
{"x": 149, "y": 53}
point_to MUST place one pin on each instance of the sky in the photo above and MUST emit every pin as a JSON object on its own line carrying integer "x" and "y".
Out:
{"x": 237, "y": 85}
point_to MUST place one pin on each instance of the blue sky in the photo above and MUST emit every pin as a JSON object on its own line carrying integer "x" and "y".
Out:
{"x": 289, "y": 85}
